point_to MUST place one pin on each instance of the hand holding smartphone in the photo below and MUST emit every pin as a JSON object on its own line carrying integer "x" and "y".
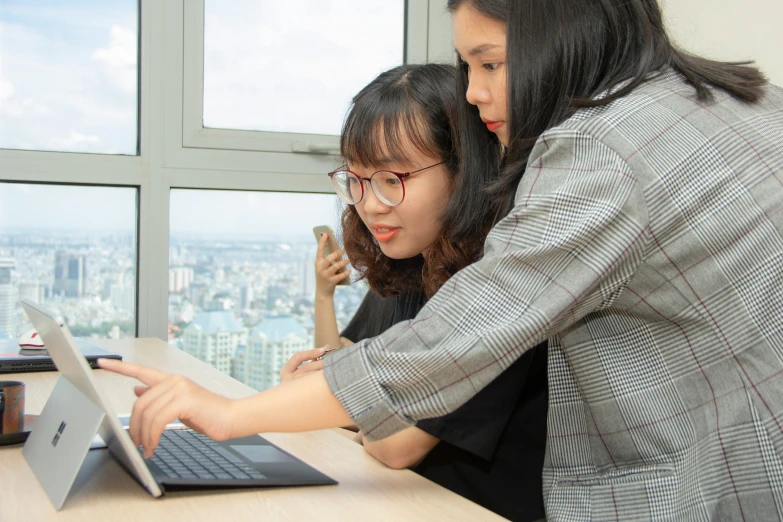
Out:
{"x": 330, "y": 247}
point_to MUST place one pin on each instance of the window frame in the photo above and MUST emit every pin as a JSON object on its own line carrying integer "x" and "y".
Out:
{"x": 195, "y": 135}
{"x": 174, "y": 152}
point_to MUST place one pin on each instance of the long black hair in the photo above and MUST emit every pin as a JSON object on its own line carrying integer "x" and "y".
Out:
{"x": 561, "y": 54}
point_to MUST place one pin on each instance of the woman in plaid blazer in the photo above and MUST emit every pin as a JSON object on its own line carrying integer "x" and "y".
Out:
{"x": 645, "y": 241}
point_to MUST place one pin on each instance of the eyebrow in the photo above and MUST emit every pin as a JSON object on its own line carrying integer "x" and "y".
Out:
{"x": 480, "y": 49}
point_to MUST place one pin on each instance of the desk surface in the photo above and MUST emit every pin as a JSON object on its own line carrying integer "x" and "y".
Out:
{"x": 104, "y": 491}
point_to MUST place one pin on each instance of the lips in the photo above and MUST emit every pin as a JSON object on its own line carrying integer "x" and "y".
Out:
{"x": 384, "y": 234}
{"x": 492, "y": 126}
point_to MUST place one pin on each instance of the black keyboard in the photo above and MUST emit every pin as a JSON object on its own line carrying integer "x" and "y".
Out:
{"x": 188, "y": 454}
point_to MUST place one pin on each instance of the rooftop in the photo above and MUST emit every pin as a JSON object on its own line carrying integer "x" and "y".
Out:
{"x": 214, "y": 321}
{"x": 277, "y": 327}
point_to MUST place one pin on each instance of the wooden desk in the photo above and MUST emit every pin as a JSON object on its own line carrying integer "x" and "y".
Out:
{"x": 105, "y": 491}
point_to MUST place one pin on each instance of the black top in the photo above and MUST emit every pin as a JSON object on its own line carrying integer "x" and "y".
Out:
{"x": 375, "y": 313}
{"x": 491, "y": 449}
{"x": 373, "y": 317}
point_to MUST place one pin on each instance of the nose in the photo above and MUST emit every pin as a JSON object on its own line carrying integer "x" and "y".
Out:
{"x": 477, "y": 90}
{"x": 370, "y": 202}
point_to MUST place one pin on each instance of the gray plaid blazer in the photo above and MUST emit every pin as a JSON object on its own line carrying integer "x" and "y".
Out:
{"x": 646, "y": 243}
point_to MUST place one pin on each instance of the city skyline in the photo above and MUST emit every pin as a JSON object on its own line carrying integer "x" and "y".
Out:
{"x": 90, "y": 280}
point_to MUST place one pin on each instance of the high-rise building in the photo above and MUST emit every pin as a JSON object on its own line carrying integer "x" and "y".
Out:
{"x": 70, "y": 274}
{"x": 307, "y": 278}
{"x": 213, "y": 337}
{"x": 31, "y": 290}
{"x": 245, "y": 297}
{"x": 123, "y": 297}
{"x": 7, "y": 298}
{"x": 180, "y": 278}
{"x": 200, "y": 294}
{"x": 271, "y": 343}
{"x": 275, "y": 293}
{"x": 109, "y": 282}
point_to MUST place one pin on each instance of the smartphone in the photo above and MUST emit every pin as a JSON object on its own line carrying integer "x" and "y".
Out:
{"x": 330, "y": 246}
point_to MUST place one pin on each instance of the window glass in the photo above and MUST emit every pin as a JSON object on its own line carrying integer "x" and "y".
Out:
{"x": 77, "y": 263}
{"x": 242, "y": 278}
{"x": 294, "y": 66}
{"x": 68, "y": 75}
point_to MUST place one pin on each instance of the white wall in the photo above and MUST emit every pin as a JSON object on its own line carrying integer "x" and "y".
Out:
{"x": 730, "y": 30}
{"x": 721, "y": 29}
{"x": 440, "y": 48}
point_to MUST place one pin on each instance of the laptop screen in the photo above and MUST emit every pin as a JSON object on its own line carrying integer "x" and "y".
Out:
{"x": 66, "y": 355}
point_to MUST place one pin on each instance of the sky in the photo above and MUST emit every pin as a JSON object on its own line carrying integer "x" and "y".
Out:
{"x": 192, "y": 212}
{"x": 293, "y": 66}
{"x": 251, "y": 214}
{"x": 68, "y": 76}
{"x": 68, "y": 83}
{"x": 24, "y": 205}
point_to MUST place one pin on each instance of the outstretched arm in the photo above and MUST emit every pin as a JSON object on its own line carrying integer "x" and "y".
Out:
{"x": 300, "y": 405}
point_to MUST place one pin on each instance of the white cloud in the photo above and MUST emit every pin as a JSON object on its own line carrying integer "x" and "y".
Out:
{"x": 6, "y": 90}
{"x": 119, "y": 59}
{"x": 270, "y": 67}
{"x": 37, "y": 108}
{"x": 75, "y": 141}
{"x": 61, "y": 91}
{"x": 14, "y": 107}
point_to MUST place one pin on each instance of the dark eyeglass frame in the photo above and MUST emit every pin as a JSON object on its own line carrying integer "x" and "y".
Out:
{"x": 400, "y": 175}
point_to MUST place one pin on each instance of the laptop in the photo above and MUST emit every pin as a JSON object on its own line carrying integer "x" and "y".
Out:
{"x": 13, "y": 359}
{"x": 184, "y": 459}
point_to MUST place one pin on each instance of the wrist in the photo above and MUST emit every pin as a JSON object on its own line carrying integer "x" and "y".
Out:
{"x": 324, "y": 296}
{"x": 234, "y": 417}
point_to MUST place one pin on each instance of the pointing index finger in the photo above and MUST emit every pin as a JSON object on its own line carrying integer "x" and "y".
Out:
{"x": 148, "y": 376}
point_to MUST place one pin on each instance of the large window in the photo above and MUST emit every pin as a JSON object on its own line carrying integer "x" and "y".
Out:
{"x": 242, "y": 279}
{"x": 73, "y": 250}
{"x": 129, "y": 125}
{"x": 68, "y": 75}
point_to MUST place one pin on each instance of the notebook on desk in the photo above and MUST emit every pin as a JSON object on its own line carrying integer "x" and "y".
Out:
{"x": 78, "y": 407}
{"x": 14, "y": 360}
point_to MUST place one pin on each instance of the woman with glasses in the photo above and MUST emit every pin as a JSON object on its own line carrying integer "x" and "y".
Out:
{"x": 401, "y": 171}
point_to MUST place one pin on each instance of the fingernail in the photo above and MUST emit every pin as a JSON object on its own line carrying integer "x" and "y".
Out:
{"x": 321, "y": 351}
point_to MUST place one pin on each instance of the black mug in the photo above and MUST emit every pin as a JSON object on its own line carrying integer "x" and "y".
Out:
{"x": 11, "y": 407}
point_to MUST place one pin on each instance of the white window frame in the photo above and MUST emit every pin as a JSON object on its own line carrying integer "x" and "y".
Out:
{"x": 177, "y": 152}
{"x": 195, "y": 135}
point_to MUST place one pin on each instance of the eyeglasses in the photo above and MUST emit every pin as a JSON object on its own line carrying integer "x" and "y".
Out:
{"x": 387, "y": 186}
